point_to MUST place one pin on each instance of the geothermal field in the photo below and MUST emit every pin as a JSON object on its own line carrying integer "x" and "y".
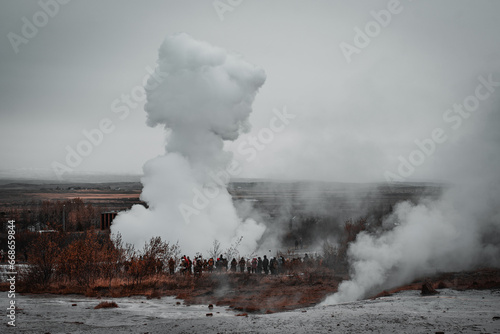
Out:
{"x": 405, "y": 312}
{"x": 305, "y": 299}
{"x": 264, "y": 166}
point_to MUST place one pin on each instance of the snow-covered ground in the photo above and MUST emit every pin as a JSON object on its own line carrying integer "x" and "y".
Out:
{"x": 406, "y": 312}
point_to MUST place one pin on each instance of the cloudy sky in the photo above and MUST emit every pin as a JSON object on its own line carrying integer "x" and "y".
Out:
{"x": 361, "y": 81}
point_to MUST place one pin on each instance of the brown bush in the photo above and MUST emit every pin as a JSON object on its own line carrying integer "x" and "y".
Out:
{"x": 43, "y": 258}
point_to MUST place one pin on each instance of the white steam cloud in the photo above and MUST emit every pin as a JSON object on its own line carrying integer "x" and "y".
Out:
{"x": 205, "y": 97}
{"x": 432, "y": 237}
{"x": 459, "y": 231}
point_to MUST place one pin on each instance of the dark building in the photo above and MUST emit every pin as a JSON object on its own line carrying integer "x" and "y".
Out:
{"x": 107, "y": 219}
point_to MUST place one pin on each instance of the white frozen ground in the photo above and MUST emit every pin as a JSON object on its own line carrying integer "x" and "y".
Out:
{"x": 406, "y": 312}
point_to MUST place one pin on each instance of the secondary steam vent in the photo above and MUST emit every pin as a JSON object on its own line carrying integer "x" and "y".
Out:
{"x": 204, "y": 97}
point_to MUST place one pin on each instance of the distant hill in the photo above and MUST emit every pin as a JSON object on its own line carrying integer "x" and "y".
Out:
{"x": 46, "y": 176}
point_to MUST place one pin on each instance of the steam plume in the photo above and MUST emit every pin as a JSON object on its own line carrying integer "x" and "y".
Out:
{"x": 205, "y": 97}
{"x": 460, "y": 231}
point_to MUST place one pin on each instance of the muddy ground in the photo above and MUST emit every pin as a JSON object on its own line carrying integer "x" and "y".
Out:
{"x": 452, "y": 311}
{"x": 259, "y": 294}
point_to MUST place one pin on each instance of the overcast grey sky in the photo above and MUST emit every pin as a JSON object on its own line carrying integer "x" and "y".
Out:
{"x": 355, "y": 115}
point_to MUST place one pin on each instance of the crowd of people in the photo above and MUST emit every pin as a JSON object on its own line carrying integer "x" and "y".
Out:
{"x": 256, "y": 265}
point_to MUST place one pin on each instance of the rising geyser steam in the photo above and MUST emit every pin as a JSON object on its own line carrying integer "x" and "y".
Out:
{"x": 205, "y": 97}
{"x": 459, "y": 231}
